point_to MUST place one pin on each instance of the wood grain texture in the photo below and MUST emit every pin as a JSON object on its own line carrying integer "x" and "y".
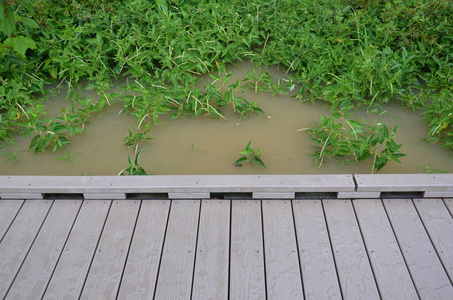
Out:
{"x": 439, "y": 225}
{"x": 316, "y": 258}
{"x": 8, "y": 211}
{"x": 176, "y": 269}
{"x": 108, "y": 263}
{"x": 354, "y": 269}
{"x": 212, "y": 258}
{"x": 140, "y": 275}
{"x": 390, "y": 270}
{"x": 72, "y": 268}
{"x": 283, "y": 276}
{"x": 18, "y": 240}
{"x": 247, "y": 277}
{"x": 35, "y": 273}
{"x": 424, "y": 265}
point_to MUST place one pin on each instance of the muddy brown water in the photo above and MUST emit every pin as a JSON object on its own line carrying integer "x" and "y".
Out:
{"x": 203, "y": 145}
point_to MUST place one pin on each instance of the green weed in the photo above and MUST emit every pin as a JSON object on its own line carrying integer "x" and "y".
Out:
{"x": 250, "y": 155}
{"x": 338, "y": 136}
{"x": 133, "y": 168}
{"x": 346, "y": 53}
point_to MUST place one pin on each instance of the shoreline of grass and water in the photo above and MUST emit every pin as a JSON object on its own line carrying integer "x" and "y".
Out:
{"x": 348, "y": 55}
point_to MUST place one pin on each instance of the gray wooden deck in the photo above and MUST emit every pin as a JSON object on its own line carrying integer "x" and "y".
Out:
{"x": 226, "y": 249}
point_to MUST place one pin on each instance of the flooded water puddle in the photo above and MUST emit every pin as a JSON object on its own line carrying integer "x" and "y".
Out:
{"x": 204, "y": 145}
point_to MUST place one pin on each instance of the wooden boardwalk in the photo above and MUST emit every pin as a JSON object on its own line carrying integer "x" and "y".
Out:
{"x": 226, "y": 249}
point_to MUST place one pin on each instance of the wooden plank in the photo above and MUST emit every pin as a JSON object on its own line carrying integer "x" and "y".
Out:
{"x": 211, "y": 263}
{"x": 18, "y": 195}
{"x": 247, "y": 274}
{"x": 436, "y": 194}
{"x": 176, "y": 184}
{"x": 107, "y": 267}
{"x": 193, "y": 195}
{"x": 176, "y": 268}
{"x": 404, "y": 182}
{"x": 8, "y": 211}
{"x": 439, "y": 225}
{"x": 271, "y": 195}
{"x": 72, "y": 268}
{"x": 18, "y": 240}
{"x": 424, "y": 265}
{"x": 140, "y": 275}
{"x": 449, "y": 204}
{"x": 316, "y": 258}
{"x": 354, "y": 269}
{"x": 390, "y": 270}
{"x": 32, "y": 279}
{"x": 283, "y": 276}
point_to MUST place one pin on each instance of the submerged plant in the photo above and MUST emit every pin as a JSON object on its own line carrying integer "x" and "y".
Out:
{"x": 250, "y": 155}
{"x": 11, "y": 157}
{"x": 133, "y": 168}
{"x": 351, "y": 140}
{"x": 133, "y": 139}
{"x": 69, "y": 156}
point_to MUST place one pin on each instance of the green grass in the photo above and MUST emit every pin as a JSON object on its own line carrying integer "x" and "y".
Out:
{"x": 350, "y": 54}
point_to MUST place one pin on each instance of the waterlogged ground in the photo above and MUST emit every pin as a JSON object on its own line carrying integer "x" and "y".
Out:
{"x": 203, "y": 145}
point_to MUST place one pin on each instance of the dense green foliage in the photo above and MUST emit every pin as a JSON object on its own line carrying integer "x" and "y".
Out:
{"x": 354, "y": 140}
{"x": 349, "y": 53}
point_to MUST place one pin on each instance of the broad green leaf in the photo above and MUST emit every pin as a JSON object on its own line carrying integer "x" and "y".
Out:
{"x": 20, "y": 44}
{"x": 258, "y": 162}
{"x": 34, "y": 142}
{"x": 7, "y": 21}
{"x": 248, "y": 148}
{"x": 29, "y": 22}
{"x": 240, "y": 160}
{"x": 28, "y": 4}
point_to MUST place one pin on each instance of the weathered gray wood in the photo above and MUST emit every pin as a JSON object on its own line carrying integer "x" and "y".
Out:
{"x": 192, "y": 195}
{"x": 107, "y": 267}
{"x": 176, "y": 269}
{"x": 72, "y": 268}
{"x": 356, "y": 195}
{"x": 247, "y": 256}
{"x": 404, "y": 182}
{"x": 140, "y": 275}
{"x": 18, "y": 240}
{"x": 427, "y": 272}
{"x": 436, "y": 194}
{"x": 283, "y": 276}
{"x": 211, "y": 263}
{"x": 354, "y": 269}
{"x": 103, "y": 196}
{"x": 316, "y": 258}
{"x": 439, "y": 225}
{"x": 32, "y": 279}
{"x": 449, "y": 204}
{"x": 8, "y": 211}
{"x": 175, "y": 184}
{"x": 271, "y": 195}
{"x": 390, "y": 270}
{"x": 19, "y": 195}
